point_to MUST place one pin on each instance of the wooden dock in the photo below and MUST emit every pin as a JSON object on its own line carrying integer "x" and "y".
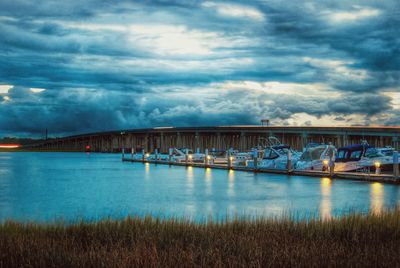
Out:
{"x": 368, "y": 177}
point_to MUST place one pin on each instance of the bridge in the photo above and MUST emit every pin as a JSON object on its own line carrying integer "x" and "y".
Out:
{"x": 220, "y": 138}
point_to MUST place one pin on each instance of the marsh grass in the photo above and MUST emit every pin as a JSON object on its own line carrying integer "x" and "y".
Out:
{"x": 353, "y": 240}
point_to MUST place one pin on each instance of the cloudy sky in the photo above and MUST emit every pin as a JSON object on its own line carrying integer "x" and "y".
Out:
{"x": 83, "y": 66}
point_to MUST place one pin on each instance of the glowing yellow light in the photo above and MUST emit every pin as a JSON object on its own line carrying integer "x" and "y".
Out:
{"x": 325, "y": 206}
{"x": 325, "y": 181}
{"x": 9, "y": 146}
{"x": 377, "y": 164}
{"x": 231, "y": 158}
{"x": 147, "y": 155}
{"x": 377, "y": 200}
{"x": 190, "y": 156}
{"x": 325, "y": 162}
{"x": 208, "y": 157}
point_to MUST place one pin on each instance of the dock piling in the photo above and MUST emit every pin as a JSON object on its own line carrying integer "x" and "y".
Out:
{"x": 255, "y": 159}
{"x": 187, "y": 156}
{"x": 170, "y": 151}
{"x": 206, "y": 158}
{"x": 143, "y": 155}
{"x": 230, "y": 158}
{"x": 156, "y": 155}
{"x": 289, "y": 161}
{"x": 396, "y": 164}
{"x": 331, "y": 167}
{"x": 133, "y": 152}
{"x": 377, "y": 168}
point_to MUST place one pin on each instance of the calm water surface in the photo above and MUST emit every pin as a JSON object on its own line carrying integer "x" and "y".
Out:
{"x": 68, "y": 186}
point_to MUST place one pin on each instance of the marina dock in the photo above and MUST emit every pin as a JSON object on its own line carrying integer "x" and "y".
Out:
{"x": 370, "y": 177}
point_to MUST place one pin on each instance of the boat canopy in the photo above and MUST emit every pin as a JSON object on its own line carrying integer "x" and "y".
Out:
{"x": 317, "y": 152}
{"x": 351, "y": 153}
{"x": 312, "y": 153}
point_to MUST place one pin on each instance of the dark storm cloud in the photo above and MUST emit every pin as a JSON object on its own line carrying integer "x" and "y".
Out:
{"x": 126, "y": 64}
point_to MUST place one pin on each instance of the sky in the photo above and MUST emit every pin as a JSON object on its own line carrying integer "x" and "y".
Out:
{"x": 84, "y": 66}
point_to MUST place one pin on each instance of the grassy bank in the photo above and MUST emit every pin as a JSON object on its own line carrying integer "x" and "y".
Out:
{"x": 356, "y": 240}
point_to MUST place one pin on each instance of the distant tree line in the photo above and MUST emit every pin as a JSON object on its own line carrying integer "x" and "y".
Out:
{"x": 22, "y": 141}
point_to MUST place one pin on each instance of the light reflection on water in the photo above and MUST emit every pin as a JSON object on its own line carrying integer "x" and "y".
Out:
{"x": 377, "y": 197}
{"x": 147, "y": 170}
{"x": 325, "y": 208}
{"x": 46, "y": 186}
{"x": 231, "y": 183}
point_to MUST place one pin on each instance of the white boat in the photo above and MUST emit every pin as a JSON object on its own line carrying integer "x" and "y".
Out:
{"x": 382, "y": 157}
{"x": 363, "y": 157}
{"x": 179, "y": 156}
{"x": 274, "y": 155}
{"x": 218, "y": 157}
{"x": 348, "y": 157}
{"x": 158, "y": 157}
{"x": 240, "y": 159}
{"x": 316, "y": 157}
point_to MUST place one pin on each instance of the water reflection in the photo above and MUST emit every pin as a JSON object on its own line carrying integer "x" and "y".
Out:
{"x": 376, "y": 195}
{"x": 147, "y": 171}
{"x": 231, "y": 183}
{"x": 189, "y": 178}
{"x": 208, "y": 177}
{"x": 325, "y": 206}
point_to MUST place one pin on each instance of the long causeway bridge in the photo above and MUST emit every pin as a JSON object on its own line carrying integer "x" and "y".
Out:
{"x": 221, "y": 138}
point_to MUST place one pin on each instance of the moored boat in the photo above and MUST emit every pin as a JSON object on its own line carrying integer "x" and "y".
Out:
{"x": 274, "y": 155}
{"x": 316, "y": 157}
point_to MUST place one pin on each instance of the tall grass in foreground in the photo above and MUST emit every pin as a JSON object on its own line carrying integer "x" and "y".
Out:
{"x": 354, "y": 240}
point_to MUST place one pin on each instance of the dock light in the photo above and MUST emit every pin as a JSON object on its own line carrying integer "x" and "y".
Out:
{"x": 377, "y": 167}
{"x": 208, "y": 157}
{"x": 231, "y": 158}
{"x": 325, "y": 164}
{"x": 147, "y": 155}
{"x": 190, "y": 157}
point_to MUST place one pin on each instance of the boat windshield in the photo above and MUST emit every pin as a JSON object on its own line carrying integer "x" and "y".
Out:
{"x": 341, "y": 154}
{"x": 387, "y": 152}
{"x": 353, "y": 153}
{"x": 356, "y": 154}
{"x": 312, "y": 154}
{"x": 283, "y": 151}
{"x": 373, "y": 152}
{"x": 380, "y": 152}
{"x": 270, "y": 154}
